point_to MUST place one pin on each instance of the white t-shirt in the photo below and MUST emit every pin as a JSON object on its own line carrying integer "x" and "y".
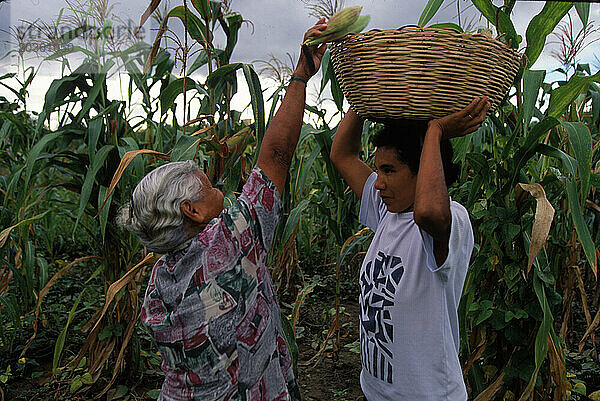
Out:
{"x": 408, "y": 305}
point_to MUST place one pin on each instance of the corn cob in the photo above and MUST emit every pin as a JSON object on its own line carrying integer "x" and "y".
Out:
{"x": 361, "y": 22}
{"x": 341, "y": 21}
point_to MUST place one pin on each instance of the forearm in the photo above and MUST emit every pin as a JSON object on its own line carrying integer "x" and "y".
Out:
{"x": 345, "y": 152}
{"x": 284, "y": 130}
{"x": 432, "y": 204}
{"x": 346, "y": 143}
{"x": 280, "y": 140}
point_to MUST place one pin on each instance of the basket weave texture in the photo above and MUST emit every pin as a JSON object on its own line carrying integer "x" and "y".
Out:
{"x": 421, "y": 73}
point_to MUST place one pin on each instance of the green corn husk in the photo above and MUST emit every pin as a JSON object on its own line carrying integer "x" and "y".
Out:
{"x": 361, "y": 22}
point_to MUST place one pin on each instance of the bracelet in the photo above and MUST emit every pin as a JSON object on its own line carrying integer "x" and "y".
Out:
{"x": 295, "y": 78}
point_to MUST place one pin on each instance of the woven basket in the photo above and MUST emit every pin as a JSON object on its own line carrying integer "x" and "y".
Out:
{"x": 421, "y": 73}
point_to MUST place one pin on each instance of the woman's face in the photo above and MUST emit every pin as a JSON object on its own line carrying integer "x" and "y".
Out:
{"x": 395, "y": 182}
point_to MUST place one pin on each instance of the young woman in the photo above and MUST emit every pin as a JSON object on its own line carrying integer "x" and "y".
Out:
{"x": 412, "y": 276}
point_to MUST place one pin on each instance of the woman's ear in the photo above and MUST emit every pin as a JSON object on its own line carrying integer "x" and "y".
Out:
{"x": 192, "y": 211}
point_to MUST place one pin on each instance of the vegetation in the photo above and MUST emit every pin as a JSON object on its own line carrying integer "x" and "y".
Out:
{"x": 71, "y": 281}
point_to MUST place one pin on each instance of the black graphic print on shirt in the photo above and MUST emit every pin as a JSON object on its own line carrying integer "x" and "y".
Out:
{"x": 378, "y": 284}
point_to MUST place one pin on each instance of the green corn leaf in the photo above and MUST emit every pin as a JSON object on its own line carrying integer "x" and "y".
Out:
{"x": 234, "y": 23}
{"x": 275, "y": 98}
{"x": 6, "y": 128}
{"x": 65, "y": 51}
{"x": 200, "y": 61}
{"x": 103, "y": 216}
{"x": 532, "y": 81}
{"x": 325, "y": 74}
{"x": 99, "y": 84}
{"x": 60, "y": 341}
{"x": 581, "y": 142}
{"x": 431, "y": 8}
{"x": 570, "y": 168}
{"x": 203, "y": 7}
{"x": 499, "y": 19}
{"x": 293, "y": 220}
{"x": 258, "y": 104}
{"x": 57, "y": 92}
{"x": 595, "y": 180}
{"x": 90, "y": 178}
{"x": 563, "y": 96}
{"x": 34, "y": 155}
{"x": 305, "y": 169}
{"x": 5, "y": 233}
{"x": 541, "y": 26}
{"x": 174, "y": 89}
{"x": 185, "y": 148}
{"x": 336, "y": 91}
{"x": 221, "y": 73}
{"x": 583, "y": 232}
{"x": 290, "y": 340}
{"x": 543, "y": 333}
{"x": 42, "y": 271}
{"x": 94, "y": 130}
{"x": 195, "y": 27}
{"x": 583, "y": 10}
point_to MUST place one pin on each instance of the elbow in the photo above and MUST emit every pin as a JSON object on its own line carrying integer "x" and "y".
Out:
{"x": 433, "y": 220}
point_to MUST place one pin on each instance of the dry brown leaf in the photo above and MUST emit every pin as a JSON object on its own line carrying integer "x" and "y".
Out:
{"x": 149, "y": 11}
{"x": 128, "y": 158}
{"x": 202, "y": 130}
{"x": 43, "y": 293}
{"x": 590, "y": 330}
{"x": 586, "y": 310}
{"x": 119, "y": 284}
{"x": 155, "y": 46}
{"x": 492, "y": 389}
{"x": 475, "y": 355}
{"x": 544, "y": 214}
{"x": 201, "y": 117}
{"x": 119, "y": 361}
{"x": 558, "y": 371}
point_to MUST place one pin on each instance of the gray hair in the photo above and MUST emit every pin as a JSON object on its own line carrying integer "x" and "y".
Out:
{"x": 154, "y": 213}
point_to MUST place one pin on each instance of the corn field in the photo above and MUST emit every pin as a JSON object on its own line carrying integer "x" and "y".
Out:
{"x": 71, "y": 281}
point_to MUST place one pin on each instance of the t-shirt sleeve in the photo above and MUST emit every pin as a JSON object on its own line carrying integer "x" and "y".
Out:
{"x": 372, "y": 208}
{"x": 460, "y": 243}
{"x": 264, "y": 203}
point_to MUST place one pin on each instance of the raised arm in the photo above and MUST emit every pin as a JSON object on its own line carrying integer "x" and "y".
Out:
{"x": 281, "y": 138}
{"x": 345, "y": 152}
{"x": 432, "y": 204}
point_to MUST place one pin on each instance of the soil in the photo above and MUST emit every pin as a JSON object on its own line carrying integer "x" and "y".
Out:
{"x": 336, "y": 375}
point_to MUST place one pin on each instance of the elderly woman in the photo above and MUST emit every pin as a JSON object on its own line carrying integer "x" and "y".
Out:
{"x": 210, "y": 305}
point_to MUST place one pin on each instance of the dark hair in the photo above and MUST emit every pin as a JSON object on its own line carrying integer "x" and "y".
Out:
{"x": 406, "y": 137}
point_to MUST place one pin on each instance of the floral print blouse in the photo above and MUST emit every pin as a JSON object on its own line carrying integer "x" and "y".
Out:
{"x": 212, "y": 311}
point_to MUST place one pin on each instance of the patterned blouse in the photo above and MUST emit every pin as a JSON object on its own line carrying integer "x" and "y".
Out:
{"x": 212, "y": 311}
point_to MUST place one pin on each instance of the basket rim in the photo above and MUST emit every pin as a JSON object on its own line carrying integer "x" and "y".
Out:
{"x": 445, "y": 30}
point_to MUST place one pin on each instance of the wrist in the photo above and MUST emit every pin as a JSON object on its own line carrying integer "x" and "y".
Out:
{"x": 434, "y": 128}
{"x": 301, "y": 73}
{"x": 299, "y": 79}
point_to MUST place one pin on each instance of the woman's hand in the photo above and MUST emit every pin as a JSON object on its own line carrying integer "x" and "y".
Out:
{"x": 465, "y": 121}
{"x": 310, "y": 56}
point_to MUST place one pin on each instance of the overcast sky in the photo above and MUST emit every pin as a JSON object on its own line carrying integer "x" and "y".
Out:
{"x": 276, "y": 28}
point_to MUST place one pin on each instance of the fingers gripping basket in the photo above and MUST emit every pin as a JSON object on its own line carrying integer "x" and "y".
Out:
{"x": 421, "y": 73}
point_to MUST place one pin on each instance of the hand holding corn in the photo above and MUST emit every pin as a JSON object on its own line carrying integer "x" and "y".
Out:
{"x": 310, "y": 57}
